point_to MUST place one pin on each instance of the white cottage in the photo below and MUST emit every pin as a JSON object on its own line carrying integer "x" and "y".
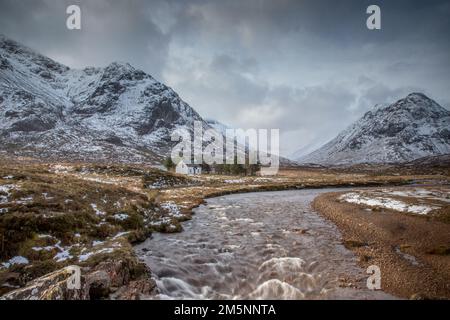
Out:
{"x": 188, "y": 168}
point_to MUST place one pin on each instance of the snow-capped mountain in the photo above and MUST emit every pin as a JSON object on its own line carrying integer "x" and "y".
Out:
{"x": 48, "y": 110}
{"x": 408, "y": 129}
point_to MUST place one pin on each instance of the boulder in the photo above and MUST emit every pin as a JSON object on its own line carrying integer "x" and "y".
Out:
{"x": 52, "y": 286}
{"x": 111, "y": 279}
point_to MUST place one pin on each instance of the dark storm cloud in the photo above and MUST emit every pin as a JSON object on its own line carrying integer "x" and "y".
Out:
{"x": 111, "y": 31}
{"x": 306, "y": 67}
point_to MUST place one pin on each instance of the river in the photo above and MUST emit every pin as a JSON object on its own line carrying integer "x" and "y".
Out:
{"x": 264, "y": 245}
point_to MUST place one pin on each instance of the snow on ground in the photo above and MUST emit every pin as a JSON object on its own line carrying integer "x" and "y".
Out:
{"x": 96, "y": 210}
{"x": 25, "y": 200}
{"x": 172, "y": 208}
{"x": 47, "y": 248}
{"x": 100, "y": 179}
{"x": 120, "y": 234}
{"x": 58, "y": 168}
{"x": 121, "y": 216}
{"x": 43, "y": 236}
{"x": 386, "y": 202}
{"x": 86, "y": 256}
{"x": 419, "y": 193}
{"x": 161, "y": 221}
{"x": 46, "y": 196}
{"x": 161, "y": 182}
{"x": 15, "y": 260}
{"x": 5, "y": 192}
{"x": 63, "y": 256}
{"x": 234, "y": 181}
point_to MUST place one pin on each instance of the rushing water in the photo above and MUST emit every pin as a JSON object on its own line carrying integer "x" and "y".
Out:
{"x": 268, "y": 245}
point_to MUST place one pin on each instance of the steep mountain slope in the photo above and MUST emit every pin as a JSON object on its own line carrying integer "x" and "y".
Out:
{"x": 408, "y": 129}
{"x": 114, "y": 113}
{"x": 218, "y": 126}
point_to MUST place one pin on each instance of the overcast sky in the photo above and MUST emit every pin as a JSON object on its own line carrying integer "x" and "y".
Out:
{"x": 309, "y": 68}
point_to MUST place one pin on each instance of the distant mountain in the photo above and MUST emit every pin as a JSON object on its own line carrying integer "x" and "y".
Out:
{"x": 411, "y": 128}
{"x": 307, "y": 149}
{"x": 118, "y": 113}
{"x": 221, "y": 127}
{"x": 217, "y": 125}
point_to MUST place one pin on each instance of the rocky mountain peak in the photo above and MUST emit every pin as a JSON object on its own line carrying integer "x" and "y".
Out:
{"x": 410, "y": 128}
{"x": 117, "y": 112}
{"x": 417, "y": 106}
{"x": 12, "y": 51}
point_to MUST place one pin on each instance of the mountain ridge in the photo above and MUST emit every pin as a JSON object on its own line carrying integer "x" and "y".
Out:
{"x": 118, "y": 112}
{"x": 410, "y": 128}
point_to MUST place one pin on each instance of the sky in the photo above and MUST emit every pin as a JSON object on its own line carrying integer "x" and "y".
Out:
{"x": 307, "y": 67}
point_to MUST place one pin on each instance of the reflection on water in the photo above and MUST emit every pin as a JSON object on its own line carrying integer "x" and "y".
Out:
{"x": 267, "y": 245}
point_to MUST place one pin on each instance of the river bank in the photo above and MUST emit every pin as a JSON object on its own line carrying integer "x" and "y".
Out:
{"x": 410, "y": 244}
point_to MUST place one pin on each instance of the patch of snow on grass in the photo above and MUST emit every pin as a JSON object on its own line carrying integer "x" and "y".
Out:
{"x": 96, "y": 243}
{"x": 62, "y": 256}
{"x": 161, "y": 221}
{"x": 121, "y": 234}
{"x": 439, "y": 195}
{"x": 64, "y": 253}
{"x": 46, "y": 197}
{"x": 385, "y": 202}
{"x": 6, "y": 189}
{"x": 47, "y": 248}
{"x": 42, "y": 236}
{"x": 61, "y": 169}
{"x": 234, "y": 181}
{"x": 15, "y": 260}
{"x": 25, "y": 200}
{"x": 86, "y": 256}
{"x": 121, "y": 216}
{"x": 100, "y": 180}
{"x": 172, "y": 208}
{"x": 96, "y": 210}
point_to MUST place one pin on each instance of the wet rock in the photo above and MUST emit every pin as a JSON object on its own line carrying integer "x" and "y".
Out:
{"x": 9, "y": 281}
{"x": 97, "y": 285}
{"x": 52, "y": 286}
{"x": 136, "y": 290}
{"x": 121, "y": 279}
{"x": 118, "y": 272}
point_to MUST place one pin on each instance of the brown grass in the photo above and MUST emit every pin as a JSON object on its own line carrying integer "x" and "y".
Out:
{"x": 62, "y": 199}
